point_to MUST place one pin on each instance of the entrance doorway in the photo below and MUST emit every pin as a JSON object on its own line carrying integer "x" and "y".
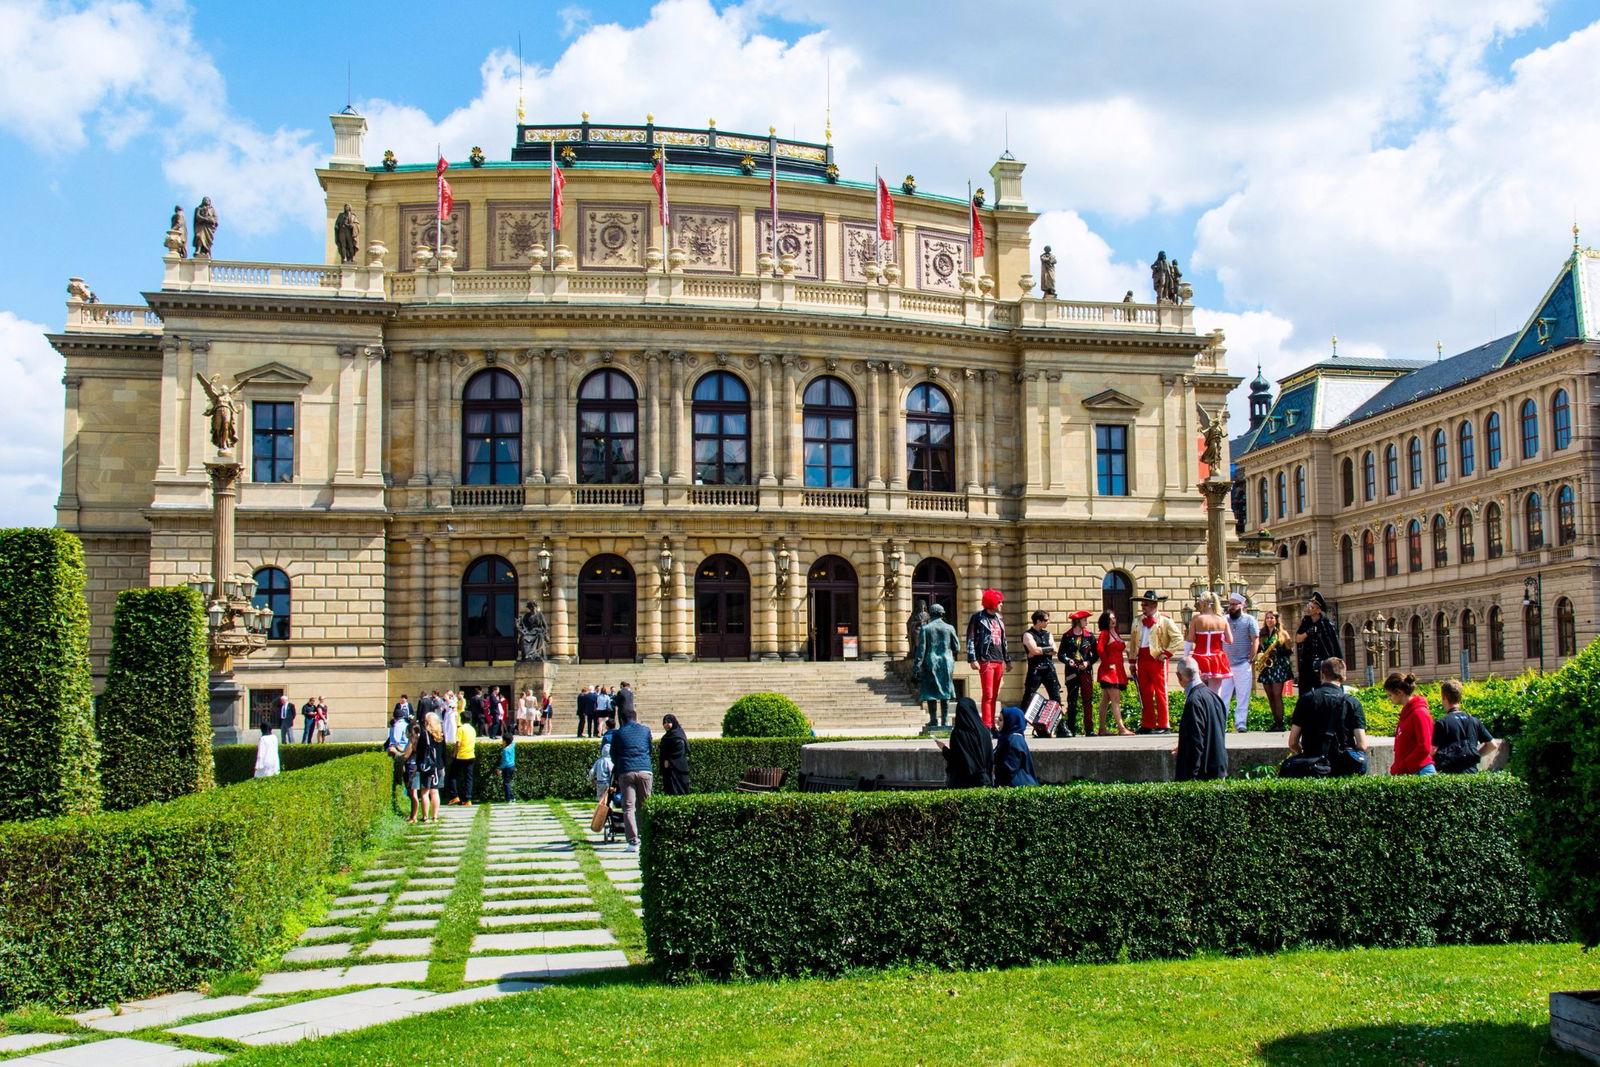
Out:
{"x": 933, "y": 582}
{"x": 833, "y": 593}
{"x": 606, "y": 610}
{"x": 722, "y": 609}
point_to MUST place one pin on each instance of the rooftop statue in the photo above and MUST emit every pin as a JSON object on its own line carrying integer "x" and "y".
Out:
{"x": 1047, "y": 272}
{"x": 205, "y": 227}
{"x": 347, "y": 235}
{"x": 178, "y": 233}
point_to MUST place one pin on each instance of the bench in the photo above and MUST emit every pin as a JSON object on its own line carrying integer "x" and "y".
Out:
{"x": 762, "y": 780}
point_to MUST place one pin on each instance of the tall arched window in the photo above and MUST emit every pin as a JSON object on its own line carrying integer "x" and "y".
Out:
{"x": 1441, "y": 457}
{"x": 1469, "y": 635}
{"x": 1532, "y": 631}
{"x": 1566, "y": 515}
{"x": 1116, "y": 594}
{"x": 1414, "y": 462}
{"x": 1560, "y": 421}
{"x": 1264, "y": 512}
{"x": 1349, "y": 635}
{"x": 1441, "y": 541}
{"x": 1467, "y": 458}
{"x": 1391, "y": 552}
{"x": 1300, "y": 489}
{"x": 272, "y": 590}
{"x": 1347, "y": 559}
{"x": 1497, "y": 633}
{"x": 1494, "y": 531}
{"x": 830, "y": 435}
{"x": 1466, "y": 551}
{"x": 1441, "y": 639}
{"x": 1530, "y": 429}
{"x": 1369, "y": 476}
{"x": 1369, "y": 556}
{"x": 1280, "y": 484}
{"x": 1413, "y": 546}
{"x": 1566, "y": 628}
{"x": 1418, "y": 652}
{"x": 933, "y": 582}
{"x": 1391, "y": 470}
{"x": 491, "y": 429}
{"x": 489, "y": 611}
{"x": 721, "y": 430}
{"x": 1491, "y": 440}
{"x": 1347, "y": 481}
{"x": 930, "y": 443}
{"x": 608, "y": 429}
{"x": 1533, "y": 521}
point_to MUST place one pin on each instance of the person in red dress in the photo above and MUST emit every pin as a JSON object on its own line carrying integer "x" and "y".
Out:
{"x": 1206, "y": 630}
{"x": 1413, "y": 735}
{"x": 1112, "y": 673}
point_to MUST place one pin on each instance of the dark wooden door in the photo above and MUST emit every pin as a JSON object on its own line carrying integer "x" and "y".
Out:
{"x": 722, "y": 609}
{"x": 834, "y": 594}
{"x": 607, "y": 610}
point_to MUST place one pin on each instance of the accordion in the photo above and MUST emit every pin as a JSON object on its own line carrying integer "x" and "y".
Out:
{"x": 1042, "y": 713}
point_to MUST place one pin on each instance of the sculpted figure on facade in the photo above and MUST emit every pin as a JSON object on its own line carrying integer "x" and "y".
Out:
{"x": 1216, "y": 432}
{"x": 177, "y": 233}
{"x": 347, "y": 235}
{"x": 1047, "y": 272}
{"x": 533, "y": 636}
{"x": 205, "y": 227}
{"x": 223, "y": 412}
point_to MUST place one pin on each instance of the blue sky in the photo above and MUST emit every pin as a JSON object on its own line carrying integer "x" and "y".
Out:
{"x": 1398, "y": 173}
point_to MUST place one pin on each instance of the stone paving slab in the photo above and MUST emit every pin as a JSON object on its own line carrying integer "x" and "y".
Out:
{"x": 359, "y": 898}
{"x": 405, "y": 926}
{"x": 530, "y": 918}
{"x": 317, "y": 933}
{"x": 414, "y": 911}
{"x": 399, "y": 946}
{"x": 542, "y": 965}
{"x": 338, "y": 977}
{"x": 431, "y": 882}
{"x": 309, "y": 1018}
{"x": 524, "y": 903}
{"x": 314, "y": 953}
{"x": 160, "y": 1011}
{"x": 18, "y": 1042}
{"x": 122, "y": 1051}
{"x": 541, "y": 939}
{"x": 351, "y": 913}
{"x": 374, "y": 887}
{"x": 416, "y": 896}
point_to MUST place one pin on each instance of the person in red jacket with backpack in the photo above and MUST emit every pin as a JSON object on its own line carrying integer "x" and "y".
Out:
{"x": 1413, "y": 737}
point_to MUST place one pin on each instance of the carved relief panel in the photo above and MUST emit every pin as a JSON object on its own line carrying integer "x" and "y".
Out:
{"x": 860, "y": 248}
{"x": 941, "y": 257}
{"x": 417, "y": 228}
{"x": 711, "y": 237}
{"x": 515, "y": 227}
{"x": 612, "y": 236}
{"x": 799, "y": 236}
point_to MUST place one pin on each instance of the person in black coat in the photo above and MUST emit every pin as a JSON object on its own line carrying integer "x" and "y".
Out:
{"x": 674, "y": 758}
{"x": 1202, "y": 750}
{"x": 969, "y": 757}
{"x": 1317, "y": 639}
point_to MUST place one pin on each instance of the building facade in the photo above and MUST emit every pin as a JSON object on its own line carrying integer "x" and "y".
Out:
{"x": 682, "y": 446}
{"x": 1452, "y": 498}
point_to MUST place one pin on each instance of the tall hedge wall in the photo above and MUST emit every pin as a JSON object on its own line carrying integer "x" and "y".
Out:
{"x": 103, "y": 908}
{"x": 155, "y": 713}
{"x": 49, "y": 759}
{"x": 820, "y": 883}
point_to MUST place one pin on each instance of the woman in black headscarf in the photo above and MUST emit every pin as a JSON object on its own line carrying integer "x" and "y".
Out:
{"x": 1013, "y": 761}
{"x": 969, "y": 757}
{"x": 674, "y": 756}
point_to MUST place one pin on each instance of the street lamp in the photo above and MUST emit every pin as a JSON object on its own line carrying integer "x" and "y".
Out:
{"x": 1381, "y": 637}
{"x": 1533, "y": 611}
{"x": 545, "y": 558}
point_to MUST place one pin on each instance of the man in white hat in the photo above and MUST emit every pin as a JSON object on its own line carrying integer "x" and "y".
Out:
{"x": 1241, "y": 642}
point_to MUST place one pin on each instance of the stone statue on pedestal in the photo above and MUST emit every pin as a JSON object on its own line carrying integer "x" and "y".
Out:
{"x": 177, "y": 233}
{"x": 347, "y": 235}
{"x": 1167, "y": 280}
{"x": 1215, "y": 432}
{"x": 533, "y": 636}
{"x": 223, "y": 412}
{"x": 1047, "y": 272}
{"x": 934, "y": 666}
{"x": 205, "y": 227}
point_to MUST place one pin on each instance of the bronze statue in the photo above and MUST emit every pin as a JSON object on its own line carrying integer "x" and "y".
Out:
{"x": 178, "y": 233}
{"x": 1167, "y": 280}
{"x": 223, "y": 412}
{"x": 1216, "y": 432}
{"x": 205, "y": 227}
{"x": 1047, "y": 272}
{"x": 914, "y": 625}
{"x": 1179, "y": 286}
{"x": 933, "y": 666}
{"x": 347, "y": 235}
{"x": 533, "y": 636}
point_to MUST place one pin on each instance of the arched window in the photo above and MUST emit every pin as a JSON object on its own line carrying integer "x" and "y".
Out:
{"x": 1469, "y": 635}
{"x": 1347, "y": 481}
{"x": 1414, "y": 462}
{"x": 489, "y": 611}
{"x": 1497, "y": 633}
{"x": 1560, "y": 421}
{"x": 1566, "y": 629}
{"x": 1280, "y": 484}
{"x": 272, "y": 590}
{"x": 1116, "y": 595}
{"x": 1441, "y": 457}
{"x": 1491, "y": 436}
{"x": 1532, "y": 631}
{"x": 1566, "y": 515}
{"x": 491, "y": 429}
{"x": 1300, "y": 489}
{"x": 931, "y": 450}
{"x": 1264, "y": 513}
{"x": 1441, "y": 639}
{"x": 1349, "y": 634}
{"x": 1467, "y": 459}
{"x": 1533, "y": 522}
{"x": 1466, "y": 551}
{"x": 721, "y": 430}
{"x": 933, "y": 582}
{"x": 1530, "y": 429}
{"x": 1391, "y": 470}
{"x": 1494, "y": 531}
{"x": 1441, "y": 542}
{"x": 1369, "y": 556}
{"x": 1391, "y": 552}
{"x": 1369, "y": 476}
{"x": 1413, "y": 546}
{"x": 1418, "y": 652}
{"x": 830, "y": 435}
{"x": 1347, "y": 559}
{"x": 608, "y": 429}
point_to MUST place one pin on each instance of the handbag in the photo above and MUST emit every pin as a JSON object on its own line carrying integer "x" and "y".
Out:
{"x": 602, "y": 811}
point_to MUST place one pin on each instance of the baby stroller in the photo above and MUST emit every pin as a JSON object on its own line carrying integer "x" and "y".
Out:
{"x": 615, "y": 829}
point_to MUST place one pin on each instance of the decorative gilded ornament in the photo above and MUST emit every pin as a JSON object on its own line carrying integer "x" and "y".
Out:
{"x": 475, "y": 157}
{"x": 909, "y": 186}
{"x": 748, "y": 164}
{"x": 832, "y": 172}
{"x": 389, "y": 162}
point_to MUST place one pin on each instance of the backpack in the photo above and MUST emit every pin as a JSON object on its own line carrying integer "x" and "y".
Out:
{"x": 1460, "y": 756}
{"x": 1344, "y": 758}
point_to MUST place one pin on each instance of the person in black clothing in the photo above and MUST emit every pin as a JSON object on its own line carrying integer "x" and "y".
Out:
{"x": 1040, "y": 647}
{"x": 969, "y": 757}
{"x": 1460, "y": 740}
{"x": 1318, "y": 640}
{"x": 674, "y": 758}
{"x": 1202, "y": 750}
{"x": 1327, "y": 717}
{"x": 1079, "y": 653}
{"x": 586, "y": 706}
{"x": 1013, "y": 762}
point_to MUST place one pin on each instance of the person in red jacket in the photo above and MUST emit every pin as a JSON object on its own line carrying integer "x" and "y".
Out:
{"x": 1413, "y": 737}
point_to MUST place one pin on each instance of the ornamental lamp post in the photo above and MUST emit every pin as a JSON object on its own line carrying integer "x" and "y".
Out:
{"x": 1533, "y": 605}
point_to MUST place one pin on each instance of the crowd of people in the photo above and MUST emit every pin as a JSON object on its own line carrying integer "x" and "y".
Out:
{"x": 313, "y": 715}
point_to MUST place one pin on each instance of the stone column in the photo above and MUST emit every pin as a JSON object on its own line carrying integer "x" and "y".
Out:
{"x": 1218, "y": 494}
{"x": 446, "y": 613}
{"x": 789, "y": 440}
{"x": 874, "y": 623}
{"x": 970, "y": 405}
{"x": 678, "y": 475}
{"x": 418, "y": 600}
{"x": 1055, "y": 449}
{"x": 167, "y": 447}
{"x": 1028, "y": 443}
{"x": 345, "y": 448}
{"x": 768, "y": 422}
{"x": 973, "y": 598}
{"x": 445, "y": 418}
{"x": 72, "y": 427}
{"x": 199, "y": 436}
{"x": 766, "y": 620}
{"x": 652, "y": 603}
{"x": 420, "y": 464}
{"x": 869, "y": 427}
{"x": 652, "y": 418}
{"x": 682, "y": 611}
{"x": 561, "y": 418}
{"x": 792, "y": 623}
{"x": 533, "y": 420}
{"x": 990, "y": 447}
{"x": 1167, "y": 462}
{"x": 372, "y": 460}
{"x": 897, "y": 428}
{"x": 562, "y": 646}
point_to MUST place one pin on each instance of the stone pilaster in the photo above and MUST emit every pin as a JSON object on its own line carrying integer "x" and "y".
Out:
{"x": 563, "y": 418}
{"x": 420, "y": 452}
{"x": 897, "y": 426}
{"x": 769, "y": 421}
{"x": 652, "y": 417}
{"x": 790, "y": 440}
{"x": 372, "y": 455}
{"x": 679, "y": 473}
{"x": 870, "y": 424}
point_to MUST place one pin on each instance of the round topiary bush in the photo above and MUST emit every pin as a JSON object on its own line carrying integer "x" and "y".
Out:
{"x": 765, "y": 715}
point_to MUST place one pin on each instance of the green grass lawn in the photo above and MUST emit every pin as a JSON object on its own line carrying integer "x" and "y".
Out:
{"x": 1472, "y": 1005}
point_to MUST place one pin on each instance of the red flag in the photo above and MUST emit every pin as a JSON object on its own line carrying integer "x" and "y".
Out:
{"x": 977, "y": 231}
{"x": 558, "y": 182}
{"x": 447, "y": 202}
{"x": 885, "y": 212}
{"x": 658, "y": 178}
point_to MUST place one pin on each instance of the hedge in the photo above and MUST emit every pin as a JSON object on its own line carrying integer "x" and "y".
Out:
{"x": 822, "y": 883}
{"x": 237, "y": 763}
{"x": 49, "y": 759}
{"x": 104, "y": 908}
{"x": 765, "y": 715}
{"x": 155, "y": 713}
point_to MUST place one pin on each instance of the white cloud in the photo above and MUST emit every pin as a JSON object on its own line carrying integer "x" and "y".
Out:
{"x": 30, "y": 464}
{"x": 1085, "y": 264}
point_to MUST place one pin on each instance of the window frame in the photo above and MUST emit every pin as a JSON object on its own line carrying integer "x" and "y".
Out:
{"x": 1494, "y": 534}
{"x": 1441, "y": 457}
{"x": 1369, "y": 477}
{"x": 1413, "y": 546}
{"x": 830, "y": 411}
{"x": 1105, "y": 462}
{"x": 1560, "y": 420}
{"x": 1532, "y": 521}
{"x": 1347, "y": 558}
{"x": 1466, "y": 547}
{"x": 1440, "y": 529}
{"x": 1391, "y": 470}
{"x": 277, "y": 437}
{"x": 1566, "y": 514}
{"x": 721, "y": 409}
{"x": 1391, "y": 551}
{"x": 608, "y": 406}
{"x": 1493, "y": 444}
{"x": 1466, "y": 449}
{"x": 1369, "y": 556}
{"x": 1414, "y": 462}
{"x": 1566, "y": 628}
{"x": 1528, "y": 429}
{"x": 500, "y": 471}
{"x": 281, "y": 601}
{"x": 1497, "y": 634}
{"x": 923, "y": 470}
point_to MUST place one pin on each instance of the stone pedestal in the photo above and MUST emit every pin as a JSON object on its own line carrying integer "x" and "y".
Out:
{"x": 540, "y": 676}
{"x": 229, "y": 717}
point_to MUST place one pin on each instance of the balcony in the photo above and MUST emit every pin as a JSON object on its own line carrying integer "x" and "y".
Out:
{"x": 835, "y": 499}
{"x": 724, "y": 496}
{"x": 205, "y": 275}
{"x": 950, "y": 503}
{"x": 630, "y": 496}
{"x": 487, "y": 496}
{"x": 111, "y": 318}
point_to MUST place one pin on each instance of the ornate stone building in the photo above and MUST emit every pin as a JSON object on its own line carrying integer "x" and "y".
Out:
{"x": 683, "y": 447}
{"x": 1453, "y": 497}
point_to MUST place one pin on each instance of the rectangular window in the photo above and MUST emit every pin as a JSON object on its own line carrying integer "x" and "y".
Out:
{"x": 1111, "y": 459}
{"x": 272, "y": 444}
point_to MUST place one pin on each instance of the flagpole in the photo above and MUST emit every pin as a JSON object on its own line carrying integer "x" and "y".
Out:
{"x": 877, "y": 231}
{"x": 775, "y": 269}
{"x": 438, "y": 206}
{"x": 550, "y": 253}
{"x": 972, "y": 266}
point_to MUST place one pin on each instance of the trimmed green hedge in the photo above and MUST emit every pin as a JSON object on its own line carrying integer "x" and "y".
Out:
{"x": 237, "y": 763}
{"x": 155, "y": 713}
{"x": 49, "y": 759}
{"x": 104, "y": 908}
{"x": 822, "y": 883}
{"x": 765, "y": 715}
